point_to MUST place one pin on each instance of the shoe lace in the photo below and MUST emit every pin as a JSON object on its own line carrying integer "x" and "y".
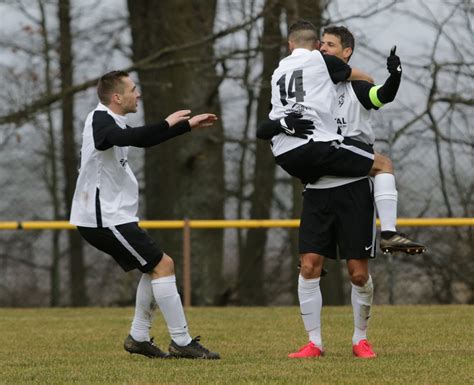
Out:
{"x": 195, "y": 342}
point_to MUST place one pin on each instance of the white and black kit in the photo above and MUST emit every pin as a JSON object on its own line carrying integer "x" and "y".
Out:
{"x": 303, "y": 83}
{"x": 105, "y": 202}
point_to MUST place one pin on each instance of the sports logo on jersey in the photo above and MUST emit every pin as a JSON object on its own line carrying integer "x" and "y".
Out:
{"x": 123, "y": 162}
{"x": 340, "y": 99}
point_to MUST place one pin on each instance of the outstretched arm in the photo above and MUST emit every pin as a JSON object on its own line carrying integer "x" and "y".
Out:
{"x": 107, "y": 133}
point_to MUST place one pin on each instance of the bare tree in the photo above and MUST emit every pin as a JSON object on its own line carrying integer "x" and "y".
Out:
{"x": 77, "y": 273}
{"x": 252, "y": 254}
{"x": 179, "y": 182}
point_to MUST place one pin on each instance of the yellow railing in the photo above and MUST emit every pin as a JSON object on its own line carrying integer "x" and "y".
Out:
{"x": 187, "y": 225}
{"x": 229, "y": 223}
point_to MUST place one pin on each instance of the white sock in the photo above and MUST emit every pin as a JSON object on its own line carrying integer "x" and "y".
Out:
{"x": 386, "y": 199}
{"x": 144, "y": 310}
{"x": 361, "y": 298}
{"x": 167, "y": 298}
{"x": 309, "y": 294}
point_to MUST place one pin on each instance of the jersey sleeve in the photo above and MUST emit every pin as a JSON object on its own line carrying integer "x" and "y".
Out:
{"x": 363, "y": 91}
{"x": 374, "y": 97}
{"x": 107, "y": 133}
{"x": 268, "y": 128}
{"x": 339, "y": 71}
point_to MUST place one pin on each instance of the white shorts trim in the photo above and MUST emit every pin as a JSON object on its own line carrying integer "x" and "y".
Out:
{"x": 357, "y": 150}
{"x": 127, "y": 245}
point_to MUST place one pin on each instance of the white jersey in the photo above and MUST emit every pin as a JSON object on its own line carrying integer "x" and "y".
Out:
{"x": 301, "y": 83}
{"x": 353, "y": 120}
{"x": 106, "y": 191}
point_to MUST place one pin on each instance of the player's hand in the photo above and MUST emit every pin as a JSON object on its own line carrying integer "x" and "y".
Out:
{"x": 178, "y": 116}
{"x": 202, "y": 120}
{"x": 293, "y": 125}
{"x": 394, "y": 66}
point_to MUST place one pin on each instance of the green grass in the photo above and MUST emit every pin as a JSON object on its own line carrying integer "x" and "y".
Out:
{"x": 415, "y": 345}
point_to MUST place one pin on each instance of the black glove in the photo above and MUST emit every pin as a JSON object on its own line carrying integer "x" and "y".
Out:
{"x": 394, "y": 66}
{"x": 293, "y": 125}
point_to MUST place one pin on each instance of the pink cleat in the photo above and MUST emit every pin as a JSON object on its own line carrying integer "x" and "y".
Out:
{"x": 363, "y": 350}
{"x": 309, "y": 350}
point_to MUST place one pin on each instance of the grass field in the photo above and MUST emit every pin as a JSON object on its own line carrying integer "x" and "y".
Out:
{"x": 415, "y": 345}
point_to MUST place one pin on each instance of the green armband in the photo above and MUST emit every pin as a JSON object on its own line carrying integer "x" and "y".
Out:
{"x": 374, "y": 98}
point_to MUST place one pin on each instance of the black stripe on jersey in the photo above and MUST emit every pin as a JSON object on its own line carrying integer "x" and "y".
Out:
{"x": 98, "y": 213}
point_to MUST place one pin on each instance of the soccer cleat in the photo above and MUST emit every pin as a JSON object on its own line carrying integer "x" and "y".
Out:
{"x": 363, "y": 350}
{"x": 307, "y": 351}
{"x": 193, "y": 350}
{"x": 145, "y": 348}
{"x": 399, "y": 242}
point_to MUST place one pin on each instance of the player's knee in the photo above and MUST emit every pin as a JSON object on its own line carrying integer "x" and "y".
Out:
{"x": 165, "y": 266}
{"x": 311, "y": 265}
{"x": 167, "y": 261}
{"x": 359, "y": 278}
{"x": 383, "y": 164}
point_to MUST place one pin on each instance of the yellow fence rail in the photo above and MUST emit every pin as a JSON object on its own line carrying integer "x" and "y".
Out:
{"x": 229, "y": 223}
{"x": 186, "y": 225}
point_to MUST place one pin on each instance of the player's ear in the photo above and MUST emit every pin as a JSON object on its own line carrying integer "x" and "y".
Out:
{"x": 291, "y": 46}
{"x": 116, "y": 98}
{"x": 347, "y": 52}
{"x": 317, "y": 44}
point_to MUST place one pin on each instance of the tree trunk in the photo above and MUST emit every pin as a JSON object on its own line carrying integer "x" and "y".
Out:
{"x": 251, "y": 262}
{"x": 76, "y": 263}
{"x": 51, "y": 165}
{"x": 185, "y": 176}
{"x": 312, "y": 10}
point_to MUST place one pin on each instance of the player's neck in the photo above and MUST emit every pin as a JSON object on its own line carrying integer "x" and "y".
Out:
{"x": 116, "y": 109}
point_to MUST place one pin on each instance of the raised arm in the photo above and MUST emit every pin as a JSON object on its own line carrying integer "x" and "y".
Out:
{"x": 375, "y": 96}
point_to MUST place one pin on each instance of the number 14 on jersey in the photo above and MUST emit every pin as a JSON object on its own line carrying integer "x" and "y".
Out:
{"x": 295, "y": 87}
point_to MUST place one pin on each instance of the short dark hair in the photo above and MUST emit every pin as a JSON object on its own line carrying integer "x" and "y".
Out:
{"x": 346, "y": 36}
{"x": 302, "y": 31}
{"x": 108, "y": 84}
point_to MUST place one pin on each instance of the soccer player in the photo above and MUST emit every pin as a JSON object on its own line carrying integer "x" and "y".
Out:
{"x": 105, "y": 205}
{"x": 338, "y": 212}
{"x": 303, "y": 85}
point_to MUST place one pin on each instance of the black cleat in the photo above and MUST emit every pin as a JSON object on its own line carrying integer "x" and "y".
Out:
{"x": 399, "y": 242}
{"x": 193, "y": 350}
{"x": 145, "y": 348}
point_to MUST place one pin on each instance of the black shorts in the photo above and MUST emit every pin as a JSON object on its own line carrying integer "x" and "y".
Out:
{"x": 128, "y": 244}
{"x": 312, "y": 160}
{"x": 339, "y": 218}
